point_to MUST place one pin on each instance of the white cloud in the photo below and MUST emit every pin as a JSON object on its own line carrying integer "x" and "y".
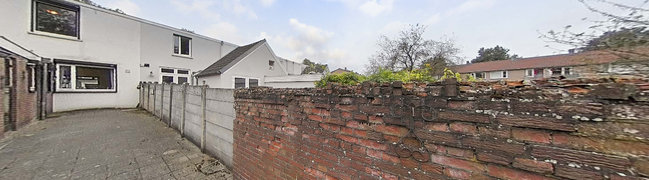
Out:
{"x": 200, "y": 6}
{"x": 376, "y": 7}
{"x": 267, "y": 2}
{"x": 205, "y": 8}
{"x": 225, "y": 31}
{"x": 433, "y": 19}
{"x": 238, "y": 8}
{"x": 471, "y": 5}
{"x": 128, "y": 6}
{"x": 306, "y": 41}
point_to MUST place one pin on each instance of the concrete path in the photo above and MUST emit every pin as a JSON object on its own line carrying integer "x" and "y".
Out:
{"x": 103, "y": 144}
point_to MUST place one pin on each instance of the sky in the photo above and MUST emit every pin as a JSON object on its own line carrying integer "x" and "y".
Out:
{"x": 344, "y": 33}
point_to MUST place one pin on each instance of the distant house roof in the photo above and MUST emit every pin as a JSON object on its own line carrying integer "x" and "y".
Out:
{"x": 341, "y": 70}
{"x": 229, "y": 60}
{"x": 592, "y": 57}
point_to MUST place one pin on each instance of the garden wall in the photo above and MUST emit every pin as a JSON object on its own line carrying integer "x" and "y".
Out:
{"x": 579, "y": 129}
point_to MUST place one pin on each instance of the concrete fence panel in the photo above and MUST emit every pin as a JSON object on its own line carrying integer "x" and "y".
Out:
{"x": 205, "y": 116}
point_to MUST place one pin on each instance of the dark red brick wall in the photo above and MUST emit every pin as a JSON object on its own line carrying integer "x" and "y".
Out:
{"x": 586, "y": 129}
{"x": 26, "y": 102}
{"x": 25, "y": 107}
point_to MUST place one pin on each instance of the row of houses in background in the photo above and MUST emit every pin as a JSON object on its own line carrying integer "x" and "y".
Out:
{"x": 78, "y": 56}
{"x": 593, "y": 64}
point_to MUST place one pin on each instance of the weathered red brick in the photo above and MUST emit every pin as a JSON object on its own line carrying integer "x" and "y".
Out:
{"x": 531, "y": 135}
{"x": 507, "y": 173}
{"x": 582, "y": 157}
{"x": 457, "y": 174}
{"x": 462, "y": 116}
{"x": 466, "y": 128}
{"x": 437, "y": 127}
{"x": 564, "y": 124}
{"x": 533, "y": 165}
{"x": 458, "y": 163}
{"x": 391, "y": 130}
{"x": 576, "y": 173}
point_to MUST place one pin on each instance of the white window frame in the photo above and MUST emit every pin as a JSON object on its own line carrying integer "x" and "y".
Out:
{"x": 179, "y": 40}
{"x": 175, "y": 75}
{"x": 247, "y": 81}
{"x": 563, "y": 71}
{"x": 73, "y": 78}
{"x": 527, "y": 74}
{"x": 505, "y": 73}
{"x": 484, "y": 75}
{"x": 33, "y": 23}
{"x": 31, "y": 69}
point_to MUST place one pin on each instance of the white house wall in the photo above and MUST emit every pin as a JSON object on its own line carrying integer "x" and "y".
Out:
{"x": 255, "y": 65}
{"x": 105, "y": 38}
{"x": 157, "y": 51}
{"x": 110, "y": 38}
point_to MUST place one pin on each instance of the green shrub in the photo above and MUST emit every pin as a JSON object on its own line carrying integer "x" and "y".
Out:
{"x": 417, "y": 75}
{"x": 343, "y": 79}
{"x": 387, "y": 76}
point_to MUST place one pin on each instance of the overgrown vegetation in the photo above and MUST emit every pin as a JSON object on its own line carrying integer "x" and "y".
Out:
{"x": 387, "y": 76}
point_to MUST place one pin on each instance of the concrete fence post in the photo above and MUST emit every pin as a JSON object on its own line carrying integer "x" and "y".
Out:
{"x": 171, "y": 100}
{"x": 182, "y": 120}
{"x": 148, "y": 97}
{"x": 162, "y": 102}
{"x": 203, "y": 118}
{"x": 155, "y": 88}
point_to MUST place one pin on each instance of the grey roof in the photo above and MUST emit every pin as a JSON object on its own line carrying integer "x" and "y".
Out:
{"x": 229, "y": 60}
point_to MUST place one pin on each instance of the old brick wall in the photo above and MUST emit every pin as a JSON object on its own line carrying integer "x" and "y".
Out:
{"x": 25, "y": 106}
{"x": 581, "y": 129}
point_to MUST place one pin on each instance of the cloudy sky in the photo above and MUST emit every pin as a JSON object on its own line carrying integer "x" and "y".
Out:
{"x": 343, "y": 33}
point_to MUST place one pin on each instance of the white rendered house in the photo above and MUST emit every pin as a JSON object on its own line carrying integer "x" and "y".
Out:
{"x": 97, "y": 57}
{"x": 255, "y": 65}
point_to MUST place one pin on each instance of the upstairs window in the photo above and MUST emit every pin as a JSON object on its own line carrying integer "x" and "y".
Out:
{"x": 55, "y": 19}
{"x": 182, "y": 45}
{"x": 271, "y": 64}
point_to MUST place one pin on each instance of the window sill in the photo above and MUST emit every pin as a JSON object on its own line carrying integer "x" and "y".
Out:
{"x": 85, "y": 91}
{"x": 182, "y": 56}
{"x": 54, "y": 36}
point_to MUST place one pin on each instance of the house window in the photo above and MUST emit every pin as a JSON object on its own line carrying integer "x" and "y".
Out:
{"x": 182, "y": 45}
{"x": 182, "y": 80}
{"x": 56, "y": 19}
{"x": 556, "y": 71}
{"x": 567, "y": 71}
{"x": 271, "y": 64}
{"x": 239, "y": 83}
{"x": 530, "y": 73}
{"x": 31, "y": 78}
{"x": 498, "y": 74}
{"x": 172, "y": 75}
{"x": 167, "y": 79}
{"x": 478, "y": 75}
{"x": 253, "y": 83}
{"x": 86, "y": 78}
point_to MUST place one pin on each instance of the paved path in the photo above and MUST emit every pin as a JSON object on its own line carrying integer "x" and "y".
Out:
{"x": 103, "y": 144}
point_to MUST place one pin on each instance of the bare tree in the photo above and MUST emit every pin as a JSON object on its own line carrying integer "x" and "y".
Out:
{"x": 411, "y": 50}
{"x": 623, "y": 27}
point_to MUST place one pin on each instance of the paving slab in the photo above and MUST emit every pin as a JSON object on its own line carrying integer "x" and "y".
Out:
{"x": 104, "y": 144}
